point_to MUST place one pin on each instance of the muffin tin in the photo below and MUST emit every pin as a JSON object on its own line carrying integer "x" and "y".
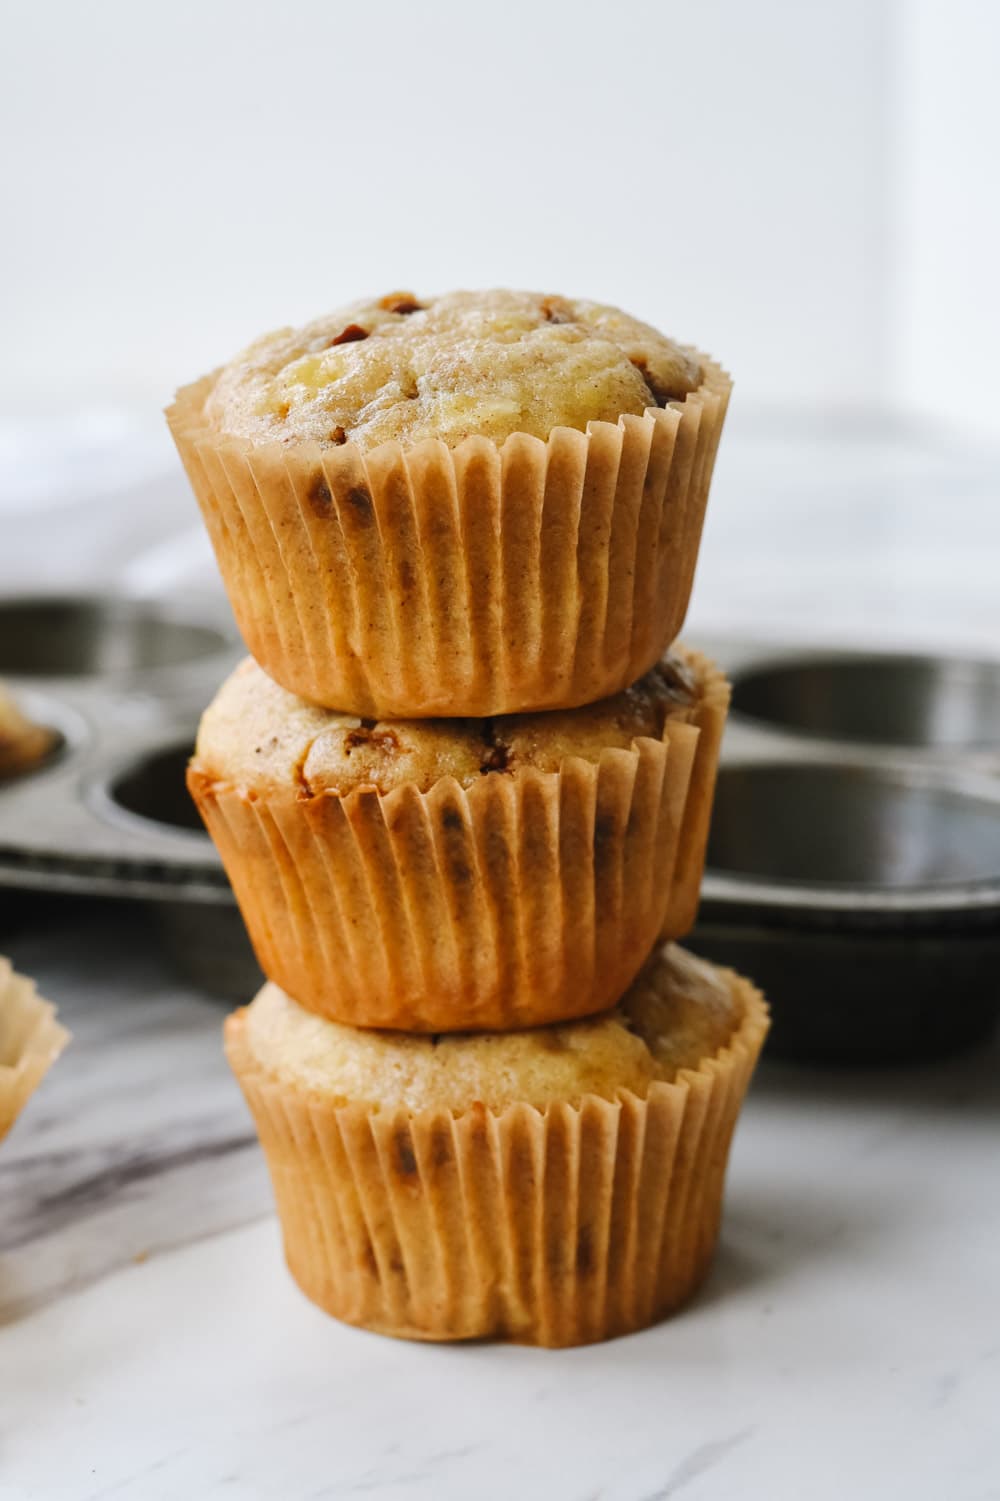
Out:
{"x": 854, "y": 862}
{"x": 122, "y": 683}
{"x": 854, "y": 859}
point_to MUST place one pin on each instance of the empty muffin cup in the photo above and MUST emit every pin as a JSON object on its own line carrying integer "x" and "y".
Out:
{"x": 849, "y": 835}
{"x": 918, "y": 702}
{"x": 865, "y": 898}
{"x": 83, "y": 635}
{"x": 151, "y": 787}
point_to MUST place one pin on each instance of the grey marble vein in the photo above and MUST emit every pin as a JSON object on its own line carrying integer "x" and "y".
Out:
{"x": 705, "y": 1457}
{"x": 138, "y": 1140}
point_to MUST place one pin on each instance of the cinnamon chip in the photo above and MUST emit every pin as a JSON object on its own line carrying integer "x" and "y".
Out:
{"x": 380, "y": 740}
{"x": 556, "y": 310}
{"x": 496, "y": 756}
{"x": 400, "y": 302}
{"x": 350, "y": 335}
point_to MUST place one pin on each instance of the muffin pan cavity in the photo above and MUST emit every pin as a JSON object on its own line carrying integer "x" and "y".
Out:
{"x": 121, "y": 683}
{"x": 808, "y": 826}
{"x": 85, "y": 636}
{"x": 913, "y": 702}
{"x": 150, "y": 787}
{"x": 854, "y": 857}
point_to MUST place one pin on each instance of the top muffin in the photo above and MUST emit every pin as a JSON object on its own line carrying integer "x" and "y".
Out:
{"x": 487, "y": 363}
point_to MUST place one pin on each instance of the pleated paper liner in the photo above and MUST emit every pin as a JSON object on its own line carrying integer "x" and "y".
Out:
{"x": 551, "y": 1227}
{"x": 31, "y": 1039}
{"x": 708, "y": 715}
{"x": 527, "y": 898}
{"x": 475, "y": 580}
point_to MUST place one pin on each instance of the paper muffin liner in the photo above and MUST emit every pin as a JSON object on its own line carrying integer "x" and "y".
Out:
{"x": 527, "y": 898}
{"x": 708, "y": 715}
{"x": 31, "y": 1040}
{"x": 406, "y": 582}
{"x": 551, "y": 1227}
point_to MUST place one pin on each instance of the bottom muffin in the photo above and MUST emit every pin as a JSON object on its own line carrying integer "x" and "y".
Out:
{"x": 553, "y": 1186}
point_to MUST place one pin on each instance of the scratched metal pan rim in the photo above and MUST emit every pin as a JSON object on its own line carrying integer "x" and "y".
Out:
{"x": 844, "y": 838}
{"x": 928, "y": 705}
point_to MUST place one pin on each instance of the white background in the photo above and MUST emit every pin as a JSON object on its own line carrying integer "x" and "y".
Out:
{"x": 806, "y": 189}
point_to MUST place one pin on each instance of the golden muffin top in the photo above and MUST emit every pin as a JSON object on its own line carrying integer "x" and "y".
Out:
{"x": 22, "y": 742}
{"x": 678, "y": 1012}
{"x": 491, "y": 363}
{"x": 257, "y": 736}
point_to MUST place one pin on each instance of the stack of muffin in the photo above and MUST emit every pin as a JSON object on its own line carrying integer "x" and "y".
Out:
{"x": 462, "y": 792}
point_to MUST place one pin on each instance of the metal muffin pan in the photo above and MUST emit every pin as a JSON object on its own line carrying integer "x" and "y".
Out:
{"x": 121, "y": 682}
{"x": 84, "y": 636}
{"x": 854, "y": 861}
{"x": 854, "y": 858}
{"x": 928, "y": 704}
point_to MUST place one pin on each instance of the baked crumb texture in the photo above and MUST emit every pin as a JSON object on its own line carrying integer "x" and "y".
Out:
{"x": 430, "y": 876}
{"x": 262, "y": 739}
{"x": 410, "y": 556}
{"x": 677, "y": 1012}
{"x": 469, "y": 363}
{"x": 589, "y": 1213}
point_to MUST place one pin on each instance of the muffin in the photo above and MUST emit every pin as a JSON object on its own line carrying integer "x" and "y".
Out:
{"x": 30, "y": 1041}
{"x": 552, "y": 1187}
{"x": 475, "y": 504}
{"x": 456, "y": 875}
{"x": 23, "y": 744}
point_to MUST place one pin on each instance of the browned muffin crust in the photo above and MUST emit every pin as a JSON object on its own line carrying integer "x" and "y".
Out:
{"x": 257, "y": 736}
{"x": 678, "y": 1012}
{"x": 489, "y": 363}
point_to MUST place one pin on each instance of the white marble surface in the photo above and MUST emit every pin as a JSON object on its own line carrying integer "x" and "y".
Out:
{"x": 848, "y": 1341}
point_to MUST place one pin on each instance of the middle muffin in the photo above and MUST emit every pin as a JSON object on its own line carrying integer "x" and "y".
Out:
{"x": 458, "y": 875}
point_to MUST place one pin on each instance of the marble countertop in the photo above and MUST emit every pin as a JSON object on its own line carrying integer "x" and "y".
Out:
{"x": 847, "y": 1342}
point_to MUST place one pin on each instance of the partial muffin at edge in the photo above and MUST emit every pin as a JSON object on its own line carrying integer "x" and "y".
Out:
{"x": 31, "y": 1039}
{"x": 23, "y": 743}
